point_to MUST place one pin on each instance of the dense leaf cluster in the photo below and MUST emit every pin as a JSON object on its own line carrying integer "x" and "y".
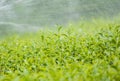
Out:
{"x": 62, "y": 56}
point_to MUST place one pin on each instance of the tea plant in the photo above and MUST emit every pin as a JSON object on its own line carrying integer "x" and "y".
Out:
{"x": 65, "y": 55}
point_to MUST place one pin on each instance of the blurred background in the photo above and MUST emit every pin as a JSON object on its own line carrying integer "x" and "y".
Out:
{"x": 30, "y": 15}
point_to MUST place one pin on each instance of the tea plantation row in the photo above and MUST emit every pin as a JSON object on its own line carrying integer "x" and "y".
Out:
{"x": 66, "y": 55}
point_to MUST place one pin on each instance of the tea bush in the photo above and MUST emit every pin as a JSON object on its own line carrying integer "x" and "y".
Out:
{"x": 69, "y": 54}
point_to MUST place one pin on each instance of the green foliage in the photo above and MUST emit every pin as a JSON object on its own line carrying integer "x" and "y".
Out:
{"x": 65, "y": 55}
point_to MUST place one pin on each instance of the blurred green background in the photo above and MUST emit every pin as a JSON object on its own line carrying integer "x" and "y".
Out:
{"x": 30, "y": 15}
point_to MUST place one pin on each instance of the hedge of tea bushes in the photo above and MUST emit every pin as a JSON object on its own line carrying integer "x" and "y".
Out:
{"x": 65, "y": 55}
